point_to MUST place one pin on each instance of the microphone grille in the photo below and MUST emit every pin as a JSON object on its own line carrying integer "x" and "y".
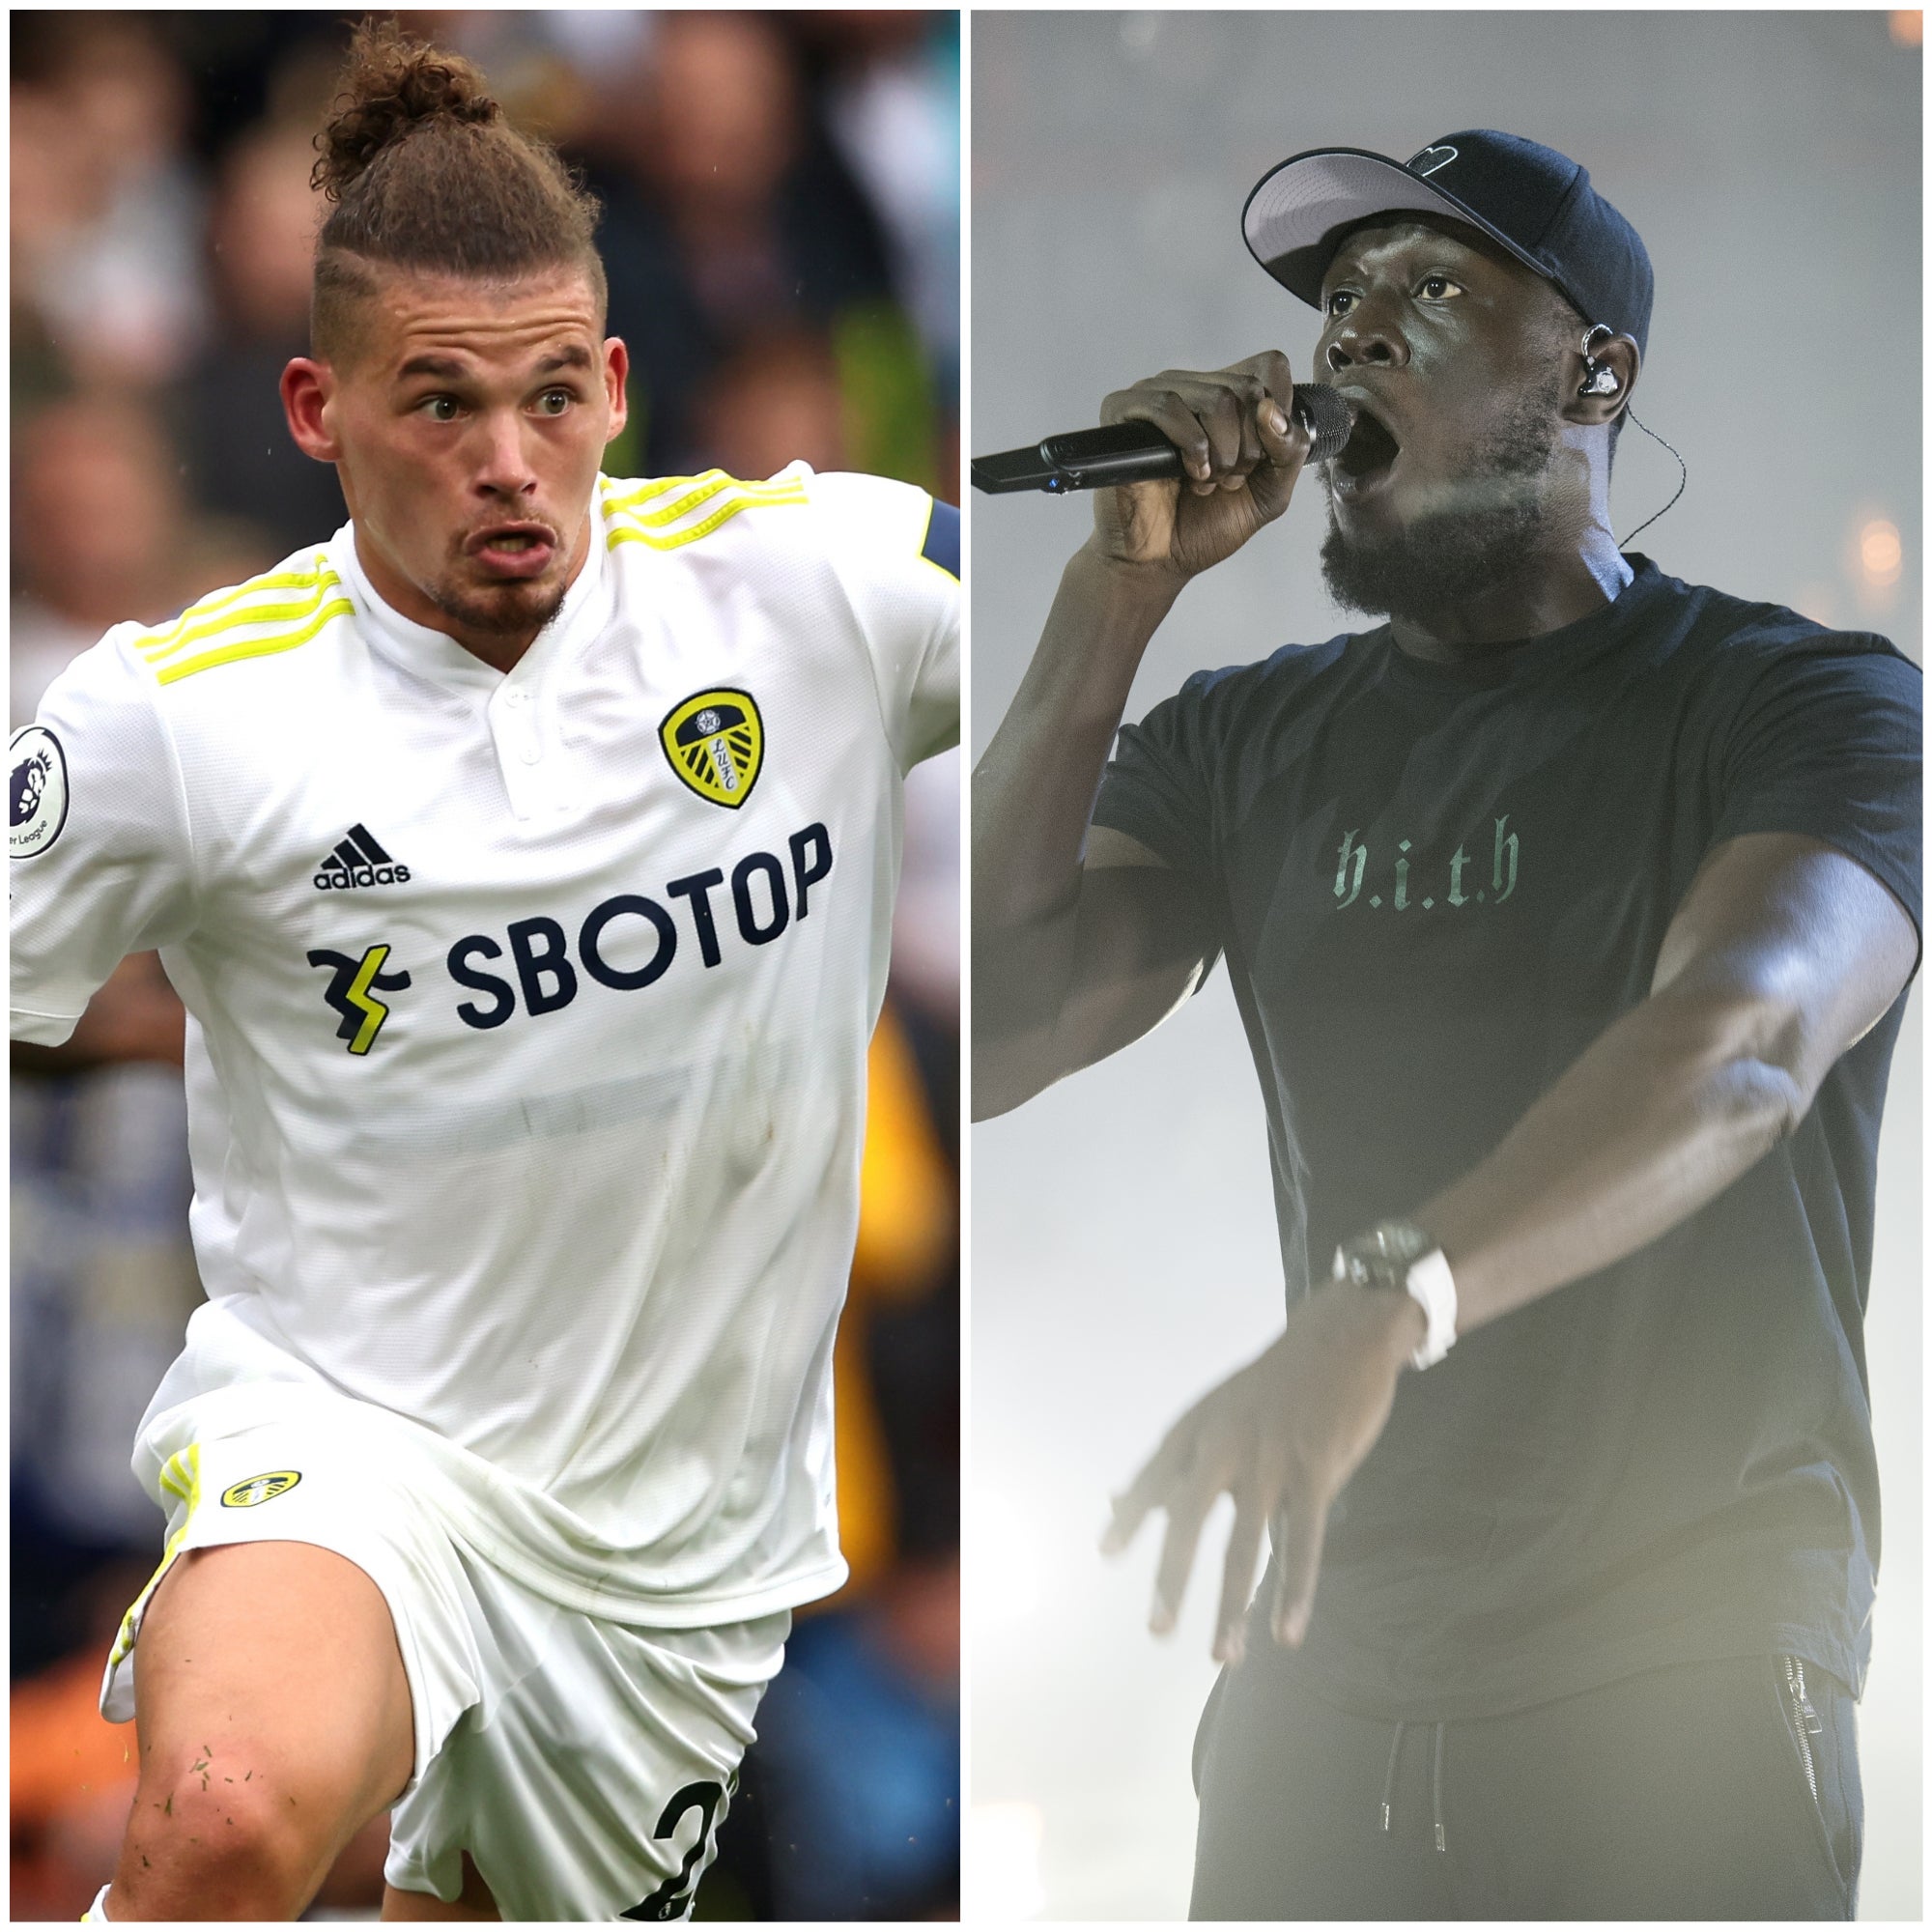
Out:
{"x": 1328, "y": 420}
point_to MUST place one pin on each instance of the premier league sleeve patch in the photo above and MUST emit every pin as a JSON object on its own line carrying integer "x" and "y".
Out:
{"x": 716, "y": 744}
{"x": 37, "y": 808}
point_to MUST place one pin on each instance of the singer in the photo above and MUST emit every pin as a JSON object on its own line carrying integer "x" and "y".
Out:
{"x": 1569, "y": 911}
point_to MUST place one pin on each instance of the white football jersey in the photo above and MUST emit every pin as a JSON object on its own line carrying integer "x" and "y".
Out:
{"x": 528, "y": 1013}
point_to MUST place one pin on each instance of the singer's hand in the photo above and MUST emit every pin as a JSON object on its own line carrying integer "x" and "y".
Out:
{"x": 1282, "y": 1435}
{"x": 1242, "y": 452}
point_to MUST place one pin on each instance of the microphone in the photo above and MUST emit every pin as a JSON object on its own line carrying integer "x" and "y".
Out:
{"x": 1136, "y": 452}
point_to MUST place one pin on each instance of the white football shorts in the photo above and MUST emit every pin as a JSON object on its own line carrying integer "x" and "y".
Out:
{"x": 585, "y": 1764}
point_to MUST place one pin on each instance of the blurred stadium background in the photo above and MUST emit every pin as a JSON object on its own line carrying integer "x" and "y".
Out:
{"x": 781, "y": 235}
{"x": 1124, "y": 1246}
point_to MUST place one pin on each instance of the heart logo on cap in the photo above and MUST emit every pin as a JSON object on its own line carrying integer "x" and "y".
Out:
{"x": 1430, "y": 160}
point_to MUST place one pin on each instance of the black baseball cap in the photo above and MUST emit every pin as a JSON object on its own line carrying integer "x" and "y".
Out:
{"x": 1538, "y": 204}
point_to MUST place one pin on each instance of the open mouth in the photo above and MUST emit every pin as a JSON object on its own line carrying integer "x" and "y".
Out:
{"x": 515, "y": 551}
{"x": 1370, "y": 452}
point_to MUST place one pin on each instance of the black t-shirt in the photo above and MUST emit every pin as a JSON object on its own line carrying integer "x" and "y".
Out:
{"x": 1435, "y": 889}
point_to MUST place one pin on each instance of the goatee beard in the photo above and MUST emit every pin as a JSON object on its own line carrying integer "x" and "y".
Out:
{"x": 498, "y": 617}
{"x": 1440, "y": 561}
{"x": 1460, "y": 554}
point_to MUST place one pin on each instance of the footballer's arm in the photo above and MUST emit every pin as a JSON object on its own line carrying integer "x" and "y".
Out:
{"x": 135, "y": 1016}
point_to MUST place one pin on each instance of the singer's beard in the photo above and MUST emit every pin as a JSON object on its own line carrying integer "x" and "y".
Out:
{"x": 1468, "y": 550}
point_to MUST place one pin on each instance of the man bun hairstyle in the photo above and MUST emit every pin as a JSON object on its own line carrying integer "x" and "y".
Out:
{"x": 425, "y": 175}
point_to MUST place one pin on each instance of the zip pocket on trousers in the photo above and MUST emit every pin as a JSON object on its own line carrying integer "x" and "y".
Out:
{"x": 1805, "y": 1722}
{"x": 1834, "y": 1787}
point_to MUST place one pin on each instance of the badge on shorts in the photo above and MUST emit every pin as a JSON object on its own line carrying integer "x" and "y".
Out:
{"x": 716, "y": 744}
{"x": 36, "y": 805}
{"x": 259, "y": 1489}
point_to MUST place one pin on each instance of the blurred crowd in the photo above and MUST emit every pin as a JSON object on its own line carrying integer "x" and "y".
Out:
{"x": 781, "y": 228}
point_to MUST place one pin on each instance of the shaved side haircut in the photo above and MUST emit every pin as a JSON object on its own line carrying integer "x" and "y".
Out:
{"x": 425, "y": 175}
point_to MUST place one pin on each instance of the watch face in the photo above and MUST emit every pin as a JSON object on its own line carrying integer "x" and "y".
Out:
{"x": 1390, "y": 1245}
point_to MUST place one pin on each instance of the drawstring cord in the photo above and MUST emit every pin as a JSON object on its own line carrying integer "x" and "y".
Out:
{"x": 1388, "y": 1785}
{"x": 1441, "y": 1831}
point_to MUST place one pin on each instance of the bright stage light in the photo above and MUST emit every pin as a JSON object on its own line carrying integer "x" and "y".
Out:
{"x": 1881, "y": 554}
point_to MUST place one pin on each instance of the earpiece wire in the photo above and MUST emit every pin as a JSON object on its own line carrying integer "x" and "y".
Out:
{"x": 1683, "y": 478}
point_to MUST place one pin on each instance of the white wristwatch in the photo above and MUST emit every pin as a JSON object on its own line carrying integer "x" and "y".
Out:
{"x": 1398, "y": 1254}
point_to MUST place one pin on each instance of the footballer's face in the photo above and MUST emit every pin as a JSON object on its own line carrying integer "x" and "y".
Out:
{"x": 468, "y": 427}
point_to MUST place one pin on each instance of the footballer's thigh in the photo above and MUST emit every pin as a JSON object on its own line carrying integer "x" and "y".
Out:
{"x": 275, "y": 1720}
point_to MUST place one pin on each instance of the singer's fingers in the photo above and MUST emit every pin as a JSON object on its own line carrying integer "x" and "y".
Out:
{"x": 1222, "y": 401}
{"x": 1237, "y": 1577}
{"x": 1210, "y": 416}
{"x": 1186, "y": 1511}
{"x": 1267, "y": 386}
{"x": 1302, "y": 1526}
{"x": 1284, "y": 440}
{"x": 1222, "y": 416}
{"x": 1223, "y": 408}
{"x": 1286, "y": 446}
{"x": 1252, "y": 452}
{"x": 1159, "y": 1474}
{"x": 1154, "y": 402}
{"x": 1271, "y": 368}
{"x": 1251, "y": 397}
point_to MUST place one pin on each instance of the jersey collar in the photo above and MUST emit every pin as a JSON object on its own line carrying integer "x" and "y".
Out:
{"x": 437, "y": 655}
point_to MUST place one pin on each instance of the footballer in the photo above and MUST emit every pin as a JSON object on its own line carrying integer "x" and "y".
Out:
{"x": 524, "y": 857}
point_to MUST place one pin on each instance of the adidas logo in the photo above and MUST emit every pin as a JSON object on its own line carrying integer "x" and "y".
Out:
{"x": 358, "y": 861}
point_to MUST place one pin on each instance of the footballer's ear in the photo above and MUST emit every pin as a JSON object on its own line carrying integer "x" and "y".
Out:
{"x": 616, "y": 374}
{"x": 308, "y": 389}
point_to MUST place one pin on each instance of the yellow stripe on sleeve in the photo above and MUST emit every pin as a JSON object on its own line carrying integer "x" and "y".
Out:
{"x": 318, "y": 587}
{"x": 697, "y": 489}
{"x": 631, "y": 524}
{"x": 629, "y": 534}
{"x": 257, "y": 648}
{"x": 658, "y": 486}
{"x": 222, "y": 600}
